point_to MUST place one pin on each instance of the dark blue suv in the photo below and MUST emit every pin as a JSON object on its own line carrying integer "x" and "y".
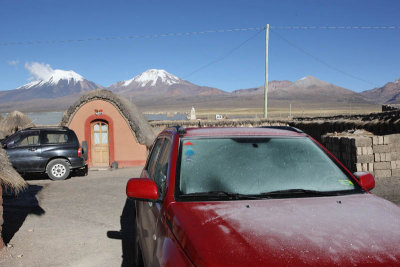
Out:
{"x": 52, "y": 150}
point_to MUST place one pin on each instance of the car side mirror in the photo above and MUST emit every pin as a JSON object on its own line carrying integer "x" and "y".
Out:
{"x": 8, "y": 144}
{"x": 142, "y": 189}
{"x": 366, "y": 180}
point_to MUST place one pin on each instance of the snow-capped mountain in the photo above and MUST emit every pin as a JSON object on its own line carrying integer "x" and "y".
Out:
{"x": 159, "y": 83}
{"x": 57, "y": 76}
{"x": 152, "y": 78}
{"x": 58, "y": 83}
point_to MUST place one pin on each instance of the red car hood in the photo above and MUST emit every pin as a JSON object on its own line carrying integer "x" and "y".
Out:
{"x": 346, "y": 230}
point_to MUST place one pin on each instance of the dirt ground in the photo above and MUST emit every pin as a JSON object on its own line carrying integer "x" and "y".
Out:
{"x": 75, "y": 222}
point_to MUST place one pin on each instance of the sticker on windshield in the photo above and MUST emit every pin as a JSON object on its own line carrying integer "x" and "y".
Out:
{"x": 189, "y": 154}
{"x": 189, "y": 151}
{"x": 345, "y": 182}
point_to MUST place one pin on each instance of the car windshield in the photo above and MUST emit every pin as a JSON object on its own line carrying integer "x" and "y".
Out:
{"x": 258, "y": 166}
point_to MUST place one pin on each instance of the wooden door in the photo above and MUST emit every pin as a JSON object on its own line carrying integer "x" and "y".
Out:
{"x": 100, "y": 144}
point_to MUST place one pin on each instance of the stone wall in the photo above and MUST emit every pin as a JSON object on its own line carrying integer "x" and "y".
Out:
{"x": 390, "y": 107}
{"x": 382, "y": 123}
{"x": 379, "y": 155}
{"x": 158, "y": 126}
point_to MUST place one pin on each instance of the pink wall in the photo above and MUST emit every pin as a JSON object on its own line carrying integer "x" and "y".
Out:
{"x": 124, "y": 146}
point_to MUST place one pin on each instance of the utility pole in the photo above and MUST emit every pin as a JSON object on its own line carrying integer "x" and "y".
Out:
{"x": 266, "y": 73}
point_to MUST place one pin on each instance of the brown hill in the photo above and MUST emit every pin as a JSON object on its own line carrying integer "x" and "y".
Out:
{"x": 306, "y": 90}
{"x": 387, "y": 94}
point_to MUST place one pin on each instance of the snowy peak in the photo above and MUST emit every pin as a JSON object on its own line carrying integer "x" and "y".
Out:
{"x": 152, "y": 77}
{"x": 309, "y": 81}
{"x": 54, "y": 77}
{"x": 68, "y": 75}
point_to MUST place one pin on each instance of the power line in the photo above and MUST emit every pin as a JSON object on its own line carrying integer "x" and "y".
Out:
{"x": 180, "y": 34}
{"x": 335, "y": 27}
{"x": 224, "y": 55}
{"x": 322, "y": 61}
{"x": 127, "y": 37}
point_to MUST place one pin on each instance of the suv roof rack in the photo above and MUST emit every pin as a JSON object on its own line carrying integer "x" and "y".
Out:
{"x": 180, "y": 129}
{"x": 287, "y": 128}
{"x": 47, "y": 127}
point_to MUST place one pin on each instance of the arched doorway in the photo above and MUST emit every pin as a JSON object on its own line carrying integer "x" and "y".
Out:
{"x": 100, "y": 143}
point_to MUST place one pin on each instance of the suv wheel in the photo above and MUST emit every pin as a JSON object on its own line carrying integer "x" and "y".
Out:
{"x": 58, "y": 169}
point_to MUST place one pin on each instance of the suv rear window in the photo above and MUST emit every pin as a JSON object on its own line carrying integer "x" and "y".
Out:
{"x": 55, "y": 138}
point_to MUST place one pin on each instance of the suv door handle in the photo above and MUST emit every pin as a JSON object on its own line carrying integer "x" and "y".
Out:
{"x": 32, "y": 149}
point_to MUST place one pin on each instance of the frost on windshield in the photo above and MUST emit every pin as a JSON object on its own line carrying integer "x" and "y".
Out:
{"x": 257, "y": 165}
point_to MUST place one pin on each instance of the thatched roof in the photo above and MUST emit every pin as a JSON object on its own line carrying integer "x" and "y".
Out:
{"x": 14, "y": 122}
{"x": 134, "y": 117}
{"x": 9, "y": 177}
{"x": 2, "y": 135}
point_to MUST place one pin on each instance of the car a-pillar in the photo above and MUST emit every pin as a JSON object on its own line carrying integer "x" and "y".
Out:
{"x": 116, "y": 133}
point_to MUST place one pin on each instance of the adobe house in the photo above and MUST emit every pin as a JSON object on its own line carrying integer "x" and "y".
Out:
{"x": 9, "y": 180}
{"x": 115, "y": 131}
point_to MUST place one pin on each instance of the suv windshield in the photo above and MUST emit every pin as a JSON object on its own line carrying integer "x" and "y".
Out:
{"x": 258, "y": 167}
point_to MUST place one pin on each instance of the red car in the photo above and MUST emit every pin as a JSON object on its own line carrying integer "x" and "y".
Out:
{"x": 257, "y": 197}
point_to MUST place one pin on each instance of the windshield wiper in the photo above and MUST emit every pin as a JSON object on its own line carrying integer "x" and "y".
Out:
{"x": 221, "y": 194}
{"x": 294, "y": 192}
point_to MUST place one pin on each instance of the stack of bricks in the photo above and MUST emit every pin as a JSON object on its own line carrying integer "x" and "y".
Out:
{"x": 343, "y": 148}
{"x": 379, "y": 155}
{"x": 364, "y": 154}
{"x": 387, "y": 155}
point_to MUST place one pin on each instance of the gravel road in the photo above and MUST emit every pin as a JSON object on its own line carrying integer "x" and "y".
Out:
{"x": 65, "y": 223}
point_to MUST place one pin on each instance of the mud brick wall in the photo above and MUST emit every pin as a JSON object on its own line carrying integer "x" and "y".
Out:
{"x": 379, "y": 155}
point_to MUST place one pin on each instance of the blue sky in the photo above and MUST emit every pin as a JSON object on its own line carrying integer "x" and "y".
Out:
{"x": 354, "y": 59}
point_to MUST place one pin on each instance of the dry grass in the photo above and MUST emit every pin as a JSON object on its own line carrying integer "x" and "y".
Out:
{"x": 8, "y": 175}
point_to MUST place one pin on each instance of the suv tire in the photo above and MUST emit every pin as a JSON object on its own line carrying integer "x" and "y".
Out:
{"x": 58, "y": 169}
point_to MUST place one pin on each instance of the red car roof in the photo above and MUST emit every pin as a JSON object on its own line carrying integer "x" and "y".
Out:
{"x": 239, "y": 131}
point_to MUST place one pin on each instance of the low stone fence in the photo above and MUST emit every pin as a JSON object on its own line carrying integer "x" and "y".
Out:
{"x": 390, "y": 107}
{"x": 158, "y": 126}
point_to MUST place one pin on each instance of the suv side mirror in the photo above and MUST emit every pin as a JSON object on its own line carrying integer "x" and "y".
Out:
{"x": 8, "y": 145}
{"x": 366, "y": 180}
{"x": 142, "y": 189}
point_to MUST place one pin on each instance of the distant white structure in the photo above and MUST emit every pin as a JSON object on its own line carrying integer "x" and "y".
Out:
{"x": 192, "y": 114}
{"x": 219, "y": 117}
